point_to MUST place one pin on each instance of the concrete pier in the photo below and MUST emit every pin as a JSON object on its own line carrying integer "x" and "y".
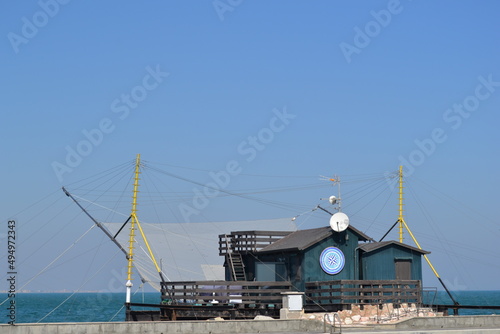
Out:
{"x": 434, "y": 325}
{"x": 448, "y": 322}
{"x": 170, "y": 327}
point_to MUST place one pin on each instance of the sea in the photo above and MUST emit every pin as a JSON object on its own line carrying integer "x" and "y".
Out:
{"x": 109, "y": 307}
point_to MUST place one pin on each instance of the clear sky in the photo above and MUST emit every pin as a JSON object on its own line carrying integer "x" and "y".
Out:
{"x": 296, "y": 90}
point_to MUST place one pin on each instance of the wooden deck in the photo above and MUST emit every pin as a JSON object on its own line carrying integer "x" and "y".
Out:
{"x": 226, "y": 292}
{"x": 248, "y": 241}
{"x": 335, "y": 295}
{"x": 200, "y": 300}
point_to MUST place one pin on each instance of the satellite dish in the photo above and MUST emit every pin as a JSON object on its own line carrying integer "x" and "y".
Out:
{"x": 339, "y": 222}
{"x": 332, "y": 200}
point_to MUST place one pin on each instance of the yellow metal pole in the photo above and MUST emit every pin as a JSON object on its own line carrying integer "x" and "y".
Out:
{"x": 133, "y": 222}
{"x": 418, "y": 245}
{"x": 401, "y": 217}
{"x": 147, "y": 246}
{"x": 431, "y": 266}
{"x": 402, "y": 223}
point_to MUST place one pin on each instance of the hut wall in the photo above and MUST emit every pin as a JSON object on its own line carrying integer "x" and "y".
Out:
{"x": 311, "y": 268}
{"x": 381, "y": 263}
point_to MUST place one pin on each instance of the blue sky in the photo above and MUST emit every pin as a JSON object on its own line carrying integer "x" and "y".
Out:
{"x": 325, "y": 87}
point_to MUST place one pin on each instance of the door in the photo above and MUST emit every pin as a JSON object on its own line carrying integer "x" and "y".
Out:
{"x": 270, "y": 272}
{"x": 403, "y": 269}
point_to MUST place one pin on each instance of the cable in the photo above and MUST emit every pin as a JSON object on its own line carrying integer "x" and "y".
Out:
{"x": 121, "y": 308}
{"x": 434, "y": 227}
{"x": 53, "y": 261}
{"x": 76, "y": 291}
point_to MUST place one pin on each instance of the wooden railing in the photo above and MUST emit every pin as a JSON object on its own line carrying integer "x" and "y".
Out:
{"x": 248, "y": 241}
{"x": 363, "y": 292}
{"x": 243, "y": 293}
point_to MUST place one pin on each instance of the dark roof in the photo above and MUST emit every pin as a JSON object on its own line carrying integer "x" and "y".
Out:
{"x": 361, "y": 235}
{"x": 372, "y": 246}
{"x": 303, "y": 239}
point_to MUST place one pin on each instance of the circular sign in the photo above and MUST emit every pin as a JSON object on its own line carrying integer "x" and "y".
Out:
{"x": 332, "y": 260}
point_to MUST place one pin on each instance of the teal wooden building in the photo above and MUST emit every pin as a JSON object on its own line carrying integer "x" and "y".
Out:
{"x": 390, "y": 260}
{"x": 317, "y": 255}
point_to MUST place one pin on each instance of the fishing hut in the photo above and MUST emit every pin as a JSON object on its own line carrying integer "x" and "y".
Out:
{"x": 332, "y": 268}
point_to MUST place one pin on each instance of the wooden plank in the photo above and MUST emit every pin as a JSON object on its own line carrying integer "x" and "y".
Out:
{"x": 360, "y": 291}
{"x": 225, "y": 297}
{"x": 258, "y": 294}
{"x": 227, "y": 292}
{"x": 365, "y": 296}
{"x": 363, "y": 282}
{"x": 248, "y": 240}
{"x": 253, "y": 240}
{"x": 344, "y": 292}
{"x": 229, "y": 283}
{"x": 364, "y": 292}
{"x": 358, "y": 300}
{"x": 279, "y": 233}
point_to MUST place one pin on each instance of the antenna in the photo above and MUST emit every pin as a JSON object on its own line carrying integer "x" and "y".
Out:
{"x": 336, "y": 181}
{"x": 334, "y": 199}
{"x": 339, "y": 221}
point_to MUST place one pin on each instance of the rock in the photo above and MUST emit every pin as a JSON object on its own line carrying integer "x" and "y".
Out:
{"x": 348, "y": 321}
{"x": 365, "y": 319}
{"x": 219, "y": 319}
{"x": 262, "y": 317}
{"x": 420, "y": 314}
{"x": 312, "y": 317}
{"x": 356, "y": 318}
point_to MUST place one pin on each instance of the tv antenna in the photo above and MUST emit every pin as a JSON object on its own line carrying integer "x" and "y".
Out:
{"x": 339, "y": 221}
{"x": 334, "y": 200}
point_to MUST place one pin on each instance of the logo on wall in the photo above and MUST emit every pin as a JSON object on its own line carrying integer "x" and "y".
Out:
{"x": 332, "y": 260}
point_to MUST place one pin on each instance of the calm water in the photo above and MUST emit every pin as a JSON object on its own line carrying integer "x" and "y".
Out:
{"x": 96, "y": 307}
{"x": 467, "y": 298}
{"x": 67, "y": 307}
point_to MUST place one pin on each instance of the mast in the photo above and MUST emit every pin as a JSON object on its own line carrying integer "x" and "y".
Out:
{"x": 133, "y": 223}
{"x": 401, "y": 217}
{"x": 402, "y": 224}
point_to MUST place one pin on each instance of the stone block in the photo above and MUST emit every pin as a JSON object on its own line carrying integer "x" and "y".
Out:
{"x": 356, "y": 318}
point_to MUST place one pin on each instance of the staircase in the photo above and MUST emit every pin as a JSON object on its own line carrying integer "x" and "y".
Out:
{"x": 234, "y": 260}
{"x": 237, "y": 267}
